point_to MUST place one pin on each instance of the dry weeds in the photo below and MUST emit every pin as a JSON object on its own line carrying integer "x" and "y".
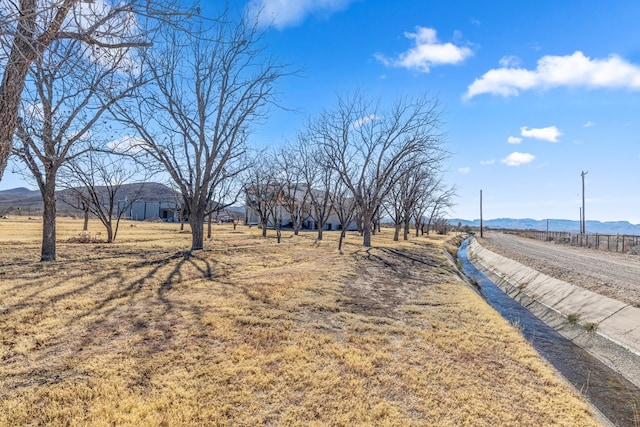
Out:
{"x": 249, "y": 332}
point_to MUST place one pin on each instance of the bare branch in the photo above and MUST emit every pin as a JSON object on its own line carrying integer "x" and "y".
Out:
{"x": 372, "y": 149}
{"x": 29, "y": 27}
{"x": 209, "y": 87}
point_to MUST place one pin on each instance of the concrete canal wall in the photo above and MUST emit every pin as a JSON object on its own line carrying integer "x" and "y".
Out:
{"x": 606, "y": 328}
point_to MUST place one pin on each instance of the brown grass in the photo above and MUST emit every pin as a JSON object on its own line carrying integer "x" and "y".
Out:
{"x": 249, "y": 332}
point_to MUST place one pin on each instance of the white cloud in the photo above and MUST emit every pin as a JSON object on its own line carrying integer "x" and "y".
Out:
{"x": 109, "y": 28}
{"x": 127, "y": 145}
{"x": 426, "y": 52}
{"x": 517, "y": 159}
{"x": 576, "y": 70}
{"x": 465, "y": 170}
{"x": 550, "y": 133}
{"x": 363, "y": 121}
{"x": 514, "y": 140}
{"x": 288, "y": 13}
{"x": 509, "y": 61}
{"x": 589, "y": 124}
{"x": 34, "y": 111}
{"x": 487, "y": 162}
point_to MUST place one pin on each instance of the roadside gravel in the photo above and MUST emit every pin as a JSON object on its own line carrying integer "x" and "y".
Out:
{"x": 608, "y": 273}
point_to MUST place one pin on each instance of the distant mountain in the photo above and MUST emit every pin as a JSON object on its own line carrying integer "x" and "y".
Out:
{"x": 29, "y": 202}
{"x": 18, "y": 200}
{"x": 18, "y": 192}
{"x": 611, "y": 227}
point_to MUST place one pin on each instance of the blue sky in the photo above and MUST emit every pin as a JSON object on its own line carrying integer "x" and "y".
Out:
{"x": 534, "y": 92}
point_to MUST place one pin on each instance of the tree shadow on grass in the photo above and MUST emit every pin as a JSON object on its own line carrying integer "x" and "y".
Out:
{"x": 387, "y": 279}
{"x": 93, "y": 311}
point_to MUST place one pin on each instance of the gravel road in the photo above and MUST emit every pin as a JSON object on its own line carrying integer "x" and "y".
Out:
{"x": 607, "y": 273}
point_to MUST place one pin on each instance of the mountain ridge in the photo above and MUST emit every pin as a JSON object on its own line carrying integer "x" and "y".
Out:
{"x": 600, "y": 227}
{"x": 24, "y": 201}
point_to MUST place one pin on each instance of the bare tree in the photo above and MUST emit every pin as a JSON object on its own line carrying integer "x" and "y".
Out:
{"x": 394, "y": 204}
{"x": 344, "y": 206}
{"x": 319, "y": 178}
{"x": 414, "y": 185}
{"x": 440, "y": 201}
{"x": 209, "y": 89}
{"x": 295, "y": 189}
{"x": 368, "y": 147}
{"x": 440, "y": 224}
{"x": 69, "y": 90}
{"x": 31, "y": 27}
{"x": 225, "y": 194}
{"x": 275, "y": 207}
{"x": 424, "y": 200}
{"x": 258, "y": 194}
{"x": 94, "y": 182}
{"x": 264, "y": 194}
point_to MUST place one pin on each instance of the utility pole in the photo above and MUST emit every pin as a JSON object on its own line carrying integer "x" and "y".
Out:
{"x": 584, "y": 218}
{"x": 580, "y": 219}
{"x": 481, "y": 214}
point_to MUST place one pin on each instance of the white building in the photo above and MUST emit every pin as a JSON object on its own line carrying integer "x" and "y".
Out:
{"x": 141, "y": 210}
{"x": 252, "y": 216}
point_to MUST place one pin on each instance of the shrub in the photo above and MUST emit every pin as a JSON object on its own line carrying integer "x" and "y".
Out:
{"x": 573, "y": 317}
{"x": 85, "y": 237}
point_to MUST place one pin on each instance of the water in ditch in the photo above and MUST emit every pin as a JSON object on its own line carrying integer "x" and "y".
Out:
{"x": 616, "y": 397}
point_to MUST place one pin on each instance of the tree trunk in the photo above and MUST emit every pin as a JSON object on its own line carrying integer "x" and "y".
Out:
{"x": 109, "y": 227}
{"x": 342, "y": 234}
{"x": 115, "y": 230}
{"x": 209, "y": 225}
{"x": 48, "y": 252}
{"x": 24, "y": 50}
{"x": 196, "y": 221}
{"x": 366, "y": 233}
{"x": 396, "y": 232}
{"x": 11, "y": 87}
{"x": 406, "y": 229}
{"x": 85, "y": 208}
{"x": 264, "y": 228}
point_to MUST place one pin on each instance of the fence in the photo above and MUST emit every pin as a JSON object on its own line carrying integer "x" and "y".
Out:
{"x": 607, "y": 242}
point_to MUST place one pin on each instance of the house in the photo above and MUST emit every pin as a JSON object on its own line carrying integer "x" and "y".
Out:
{"x": 142, "y": 210}
{"x": 271, "y": 195}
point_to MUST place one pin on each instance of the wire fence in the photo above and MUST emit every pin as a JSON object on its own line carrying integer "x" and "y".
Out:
{"x": 622, "y": 243}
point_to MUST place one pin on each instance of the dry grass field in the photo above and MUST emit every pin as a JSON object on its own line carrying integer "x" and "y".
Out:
{"x": 249, "y": 332}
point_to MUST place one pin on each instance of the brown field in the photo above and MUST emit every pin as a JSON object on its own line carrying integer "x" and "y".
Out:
{"x": 249, "y": 332}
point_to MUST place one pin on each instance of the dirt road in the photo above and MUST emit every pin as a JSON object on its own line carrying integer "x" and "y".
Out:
{"x": 608, "y": 273}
